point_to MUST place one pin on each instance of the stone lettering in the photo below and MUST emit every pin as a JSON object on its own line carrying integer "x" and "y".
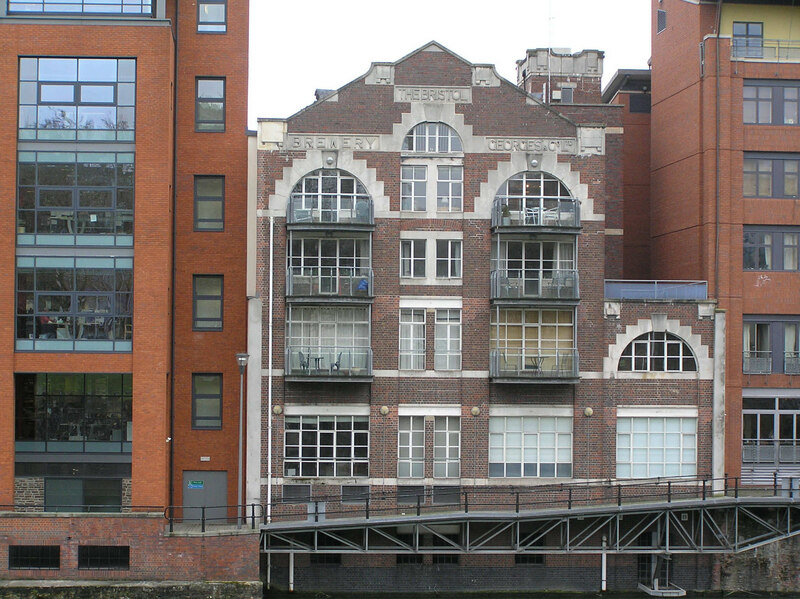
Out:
{"x": 563, "y": 145}
{"x": 332, "y": 142}
{"x": 439, "y": 95}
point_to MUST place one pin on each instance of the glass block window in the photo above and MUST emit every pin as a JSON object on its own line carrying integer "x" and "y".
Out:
{"x": 447, "y": 339}
{"x": 320, "y": 446}
{"x": 412, "y": 339}
{"x": 432, "y": 138}
{"x": 657, "y": 446}
{"x": 84, "y": 99}
{"x": 75, "y": 198}
{"x": 411, "y": 447}
{"x": 522, "y": 446}
{"x": 74, "y": 304}
{"x": 658, "y": 352}
{"x": 446, "y": 446}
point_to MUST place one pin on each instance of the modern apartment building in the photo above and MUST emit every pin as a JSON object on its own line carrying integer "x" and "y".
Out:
{"x": 433, "y": 247}
{"x": 122, "y": 260}
{"x": 724, "y": 173}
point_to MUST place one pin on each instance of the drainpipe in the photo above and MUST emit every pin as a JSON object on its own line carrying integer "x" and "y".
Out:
{"x": 269, "y": 380}
{"x": 174, "y": 267}
{"x": 717, "y": 157}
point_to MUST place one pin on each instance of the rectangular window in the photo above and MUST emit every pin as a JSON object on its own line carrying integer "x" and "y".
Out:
{"x": 757, "y": 104}
{"x": 529, "y": 559}
{"x": 446, "y": 446}
{"x": 448, "y": 259}
{"x": 405, "y": 559}
{"x": 325, "y": 559}
{"x": 770, "y": 344}
{"x": 124, "y": 8}
{"x": 445, "y": 495}
{"x": 770, "y": 177}
{"x": 83, "y": 99}
{"x": 771, "y": 431}
{"x": 74, "y": 304}
{"x": 34, "y": 557}
{"x": 207, "y": 401}
{"x": 748, "y": 40}
{"x": 756, "y": 348}
{"x": 411, "y": 447}
{"x": 82, "y": 494}
{"x": 209, "y": 203}
{"x": 75, "y": 413}
{"x": 447, "y": 339}
{"x": 209, "y": 104}
{"x": 212, "y": 16}
{"x": 661, "y": 20}
{"x": 104, "y": 557}
{"x": 521, "y": 446}
{"x": 412, "y": 339}
{"x": 657, "y": 446}
{"x": 326, "y": 446}
{"x": 770, "y": 248}
{"x": 533, "y": 342}
{"x": 412, "y": 258}
{"x": 412, "y": 188}
{"x": 410, "y": 494}
{"x": 355, "y": 493}
{"x": 450, "y": 189}
{"x": 75, "y": 199}
{"x": 207, "y": 302}
{"x": 296, "y": 493}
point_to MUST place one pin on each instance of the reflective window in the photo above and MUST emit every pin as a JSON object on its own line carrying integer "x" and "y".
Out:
{"x": 412, "y": 258}
{"x": 448, "y": 258}
{"x": 326, "y": 446}
{"x": 74, "y": 304}
{"x": 450, "y": 188}
{"x": 207, "y": 302}
{"x": 433, "y": 138}
{"x": 207, "y": 401}
{"x": 209, "y": 203}
{"x": 212, "y": 16}
{"x": 84, "y": 99}
{"x": 657, "y": 352}
{"x": 210, "y": 104}
{"x": 770, "y": 248}
{"x": 521, "y": 446}
{"x": 75, "y": 198}
{"x": 748, "y": 40}
{"x": 765, "y": 176}
{"x": 108, "y": 7}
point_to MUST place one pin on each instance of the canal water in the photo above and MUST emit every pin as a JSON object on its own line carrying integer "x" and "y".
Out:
{"x": 273, "y": 594}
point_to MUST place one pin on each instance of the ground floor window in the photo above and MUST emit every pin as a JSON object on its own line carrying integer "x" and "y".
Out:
{"x": 530, "y": 446}
{"x": 771, "y": 430}
{"x": 82, "y": 494}
{"x": 326, "y": 446}
{"x": 656, "y": 446}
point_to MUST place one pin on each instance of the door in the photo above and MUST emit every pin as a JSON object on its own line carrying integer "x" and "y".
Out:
{"x": 209, "y": 489}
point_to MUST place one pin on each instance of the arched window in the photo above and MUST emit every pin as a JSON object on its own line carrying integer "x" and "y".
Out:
{"x": 432, "y": 138}
{"x": 658, "y": 352}
{"x": 536, "y": 198}
{"x": 329, "y": 196}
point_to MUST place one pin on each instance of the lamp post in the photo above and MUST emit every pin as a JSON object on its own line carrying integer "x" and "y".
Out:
{"x": 242, "y": 360}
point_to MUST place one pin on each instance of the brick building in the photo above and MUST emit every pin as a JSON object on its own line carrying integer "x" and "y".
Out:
{"x": 724, "y": 202}
{"x": 123, "y": 265}
{"x": 432, "y": 248}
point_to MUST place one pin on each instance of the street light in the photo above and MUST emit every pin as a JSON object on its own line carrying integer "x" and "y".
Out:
{"x": 242, "y": 360}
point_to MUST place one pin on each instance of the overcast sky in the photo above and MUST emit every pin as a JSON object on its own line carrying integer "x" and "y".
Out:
{"x": 301, "y": 45}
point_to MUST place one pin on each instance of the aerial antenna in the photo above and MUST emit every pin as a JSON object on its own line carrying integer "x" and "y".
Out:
{"x": 549, "y": 48}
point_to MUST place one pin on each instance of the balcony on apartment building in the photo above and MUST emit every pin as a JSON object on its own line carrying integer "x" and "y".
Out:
{"x": 118, "y": 8}
{"x": 328, "y": 363}
{"x": 533, "y": 366}
{"x": 344, "y": 284}
{"x": 774, "y": 452}
{"x": 334, "y": 211}
{"x": 757, "y": 49}
{"x": 655, "y": 290}
{"x": 760, "y": 362}
{"x": 561, "y": 284}
{"x": 525, "y": 214}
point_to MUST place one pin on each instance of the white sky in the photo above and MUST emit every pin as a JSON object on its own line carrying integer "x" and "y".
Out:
{"x": 301, "y": 45}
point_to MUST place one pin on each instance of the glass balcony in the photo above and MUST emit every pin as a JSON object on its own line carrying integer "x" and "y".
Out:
{"x": 300, "y": 211}
{"x": 765, "y": 50}
{"x": 344, "y": 282}
{"x": 548, "y": 213}
{"x": 664, "y": 290}
{"x": 532, "y": 365}
{"x": 771, "y": 451}
{"x": 757, "y": 362}
{"x": 328, "y": 361}
{"x": 535, "y": 284}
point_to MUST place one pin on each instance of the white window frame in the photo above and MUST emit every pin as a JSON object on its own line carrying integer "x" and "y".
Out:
{"x": 657, "y": 352}
{"x": 530, "y": 442}
{"x": 446, "y": 446}
{"x": 451, "y": 260}
{"x": 411, "y": 446}
{"x": 413, "y": 188}
{"x": 449, "y": 188}
{"x": 409, "y": 260}
{"x": 447, "y": 339}
{"x": 432, "y": 138}
{"x": 412, "y": 331}
{"x": 644, "y": 449}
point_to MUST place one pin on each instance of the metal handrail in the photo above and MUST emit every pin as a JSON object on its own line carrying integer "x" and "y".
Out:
{"x": 329, "y": 281}
{"x": 328, "y": 360}
{"x": 756, "y": 362}
{"x": 655, "y": 289}
{"x": 538, "y": 284}
{"x": 515, "y": 363}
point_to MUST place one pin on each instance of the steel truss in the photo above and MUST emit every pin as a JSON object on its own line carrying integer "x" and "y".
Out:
{"x": 714, "y": 525}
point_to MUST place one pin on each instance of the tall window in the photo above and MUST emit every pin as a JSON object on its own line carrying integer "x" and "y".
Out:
{"x": 446, "y": 446}
{"x": 209, "y": 203}
{"x": 656, "y": 446}
{"x": 448, "y": 258}
{"x": 411, "y": 447}
{"x": 207, "y": 401}
{"x": 771, "y": 430}
{"x": 74, "y": 304}
{"x": 771, "y": 248}
{"x": 450, "y": 189}
{"x": 756, "y": 348}
{"x": 534, "y": 342}
{"x": 210, "y": 104}
{"x": 412, "y": 258}
{"x": 412, "y": 339}
{"x": 332, "y": 340}
{"x": 84, "y": 99}
{"x": 207, "y": 302}
{"x": 329, "y": 266}
{"x": 413, "y": 188}
{"x": 771, "y": 344}
{"x": 75, "y": 198}
{"x": 212, "y": 16}
{"x": 522, "y": 446}
{"x": 765, "y": 176}
{"x": 657, "y": 352}
{"x": 757, "y": 104}
{"x": 748, "y": 40}
{"x": 326, "y": 446}
{"x": 432, "y": 138}
{"x": 447, "y": 348}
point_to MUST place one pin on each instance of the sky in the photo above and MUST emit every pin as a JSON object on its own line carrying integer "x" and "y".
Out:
{"x": 301, "y": 45}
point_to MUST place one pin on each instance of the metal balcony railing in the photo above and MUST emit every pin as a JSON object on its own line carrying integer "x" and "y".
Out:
{"x": 535, "y": 284}
{"x": 667, "y": 290}
{"x": 771, "y": 451}
{"x": 544, "y": 212}
{"x": 328, "y": 361}
{"x": 791, "y": 362}
{"x": 531, "y": 364}
{"x": 756, "y": 362}
{"x": 360, "y": 212}
{"x": 766, "y": 50}
{"x": 329, "y": 281}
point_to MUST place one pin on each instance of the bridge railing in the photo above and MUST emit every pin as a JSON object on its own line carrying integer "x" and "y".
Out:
{"x": 421, "y": 501}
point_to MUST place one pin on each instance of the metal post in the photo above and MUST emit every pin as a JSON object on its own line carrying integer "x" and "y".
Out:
{"x": 316, "y": 511}
{"x": 569, "y": 500}
{"x": 419, "y": 497}
{"x": 366, "y": 508}
{"x": 704, "y": 489}
{"x": 172, "y": 518}
{"x": 291, "y": 572}
{"x": 619, "y": 495}
{"x": 517, "y": 501}
{"x": 726, "y": 484}
{"x": 736, "y": 487}
{"x": 466, "y": 502}
{"x": 669, "y": 491}
{"x": 242, "y": 361}
{"x": 791, "y": 488}
{"x": 604, "y": 565}
{"x": 775, "y": 484}
{"x": 253, "y": 516}
{"x": 203, "y": 519}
